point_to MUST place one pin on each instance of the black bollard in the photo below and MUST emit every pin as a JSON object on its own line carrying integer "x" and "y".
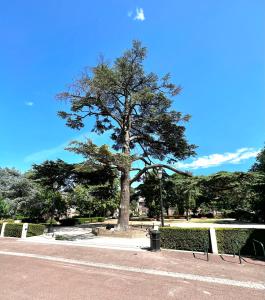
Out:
{"x": 155, "y": 240}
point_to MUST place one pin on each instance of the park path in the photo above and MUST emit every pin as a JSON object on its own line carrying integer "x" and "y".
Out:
{"x": 74, "y": 272}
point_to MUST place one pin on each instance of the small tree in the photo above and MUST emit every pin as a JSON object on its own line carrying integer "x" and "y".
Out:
{"x": 136, "y": 108}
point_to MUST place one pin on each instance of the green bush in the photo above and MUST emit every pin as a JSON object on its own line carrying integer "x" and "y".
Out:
{"x": 13, "y": 230}
{"x": 192, "y": 239}
{"x": 61, "y": 237}
{"x": 229, "y": 240}
{"x": 78, "y": 221}
{"x": 35, "y": 229}
{"x": 68, "y": 222}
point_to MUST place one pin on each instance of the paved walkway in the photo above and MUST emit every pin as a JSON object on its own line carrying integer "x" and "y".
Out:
{"x": 82, "y": 236}
{"x": 48, "y": 271}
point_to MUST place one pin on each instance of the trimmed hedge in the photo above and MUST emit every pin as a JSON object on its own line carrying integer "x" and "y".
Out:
{"x": 83, "y": 220}
{"x": 192, "y": 239}
{"x": 13, "y": 230}
{"x": 35, "y": 229}
{"x": 228, "y": 238}
{"x": 79, "y": 221}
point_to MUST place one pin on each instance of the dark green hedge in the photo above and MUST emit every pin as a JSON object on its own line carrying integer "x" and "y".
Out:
{"x": 192, "y": 239}
{"x": 13, "y": 230}
{"x": 227, "y": 239}
{"x": 78, "y": 221}
{"x": 35, "y": 229}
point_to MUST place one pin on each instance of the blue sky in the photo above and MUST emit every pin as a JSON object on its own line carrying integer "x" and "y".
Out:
{"x": 213, "y": 49}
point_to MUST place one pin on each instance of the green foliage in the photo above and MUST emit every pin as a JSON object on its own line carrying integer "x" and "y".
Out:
{"x": 78, "y": 221}
{"x": 258, "y": 187}
{"x": 13, "y": 230}
{"x": 229, "y": 240}
{"x": 259, "y": 165}
{"x": 192, "y": 239}
{"x": 227, "y": 190}
{"x": 149, "y": 190}
{"x": 114, "y": 94}
{"x": 35, "y": 229}
{"x": 17, "y": 191}
{"x": 136, "y": 107}
{"x": 4, "y": 208}
{"x": 49, "y": 172}
{"x": 61, "y": 237}
{"x": 95, "y": 199}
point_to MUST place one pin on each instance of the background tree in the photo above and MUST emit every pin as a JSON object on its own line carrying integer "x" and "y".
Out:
{"x": 136, "y": 108}
{"x": 149, "y": 190}
{"x": 94, "y": 200}
{"x": 4, "y": 209}
{"x": 258, "y": 186}
{"x": 87, "y": 189}
{"x": 16, "y": 191}
{"x": 227, "y": 191}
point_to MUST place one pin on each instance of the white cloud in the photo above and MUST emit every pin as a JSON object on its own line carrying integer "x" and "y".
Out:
{"x": 29, "y": 103}
{"x": 214, "y": 160}
{"x": 45, "y": 154}
{"x": 57, "y": 151}
{"x": 139, "y": 14}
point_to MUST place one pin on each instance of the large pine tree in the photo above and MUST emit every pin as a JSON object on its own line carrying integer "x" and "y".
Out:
{"x": 135, "y": 107}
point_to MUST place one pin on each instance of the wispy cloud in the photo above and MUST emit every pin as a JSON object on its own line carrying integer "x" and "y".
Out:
{"x": 45, "y": 154}
{"x": 139, "y": 14}
{"x": 59, "y": 150}
{"x": 214, "y": 160}
{"x": 29, "y": 103}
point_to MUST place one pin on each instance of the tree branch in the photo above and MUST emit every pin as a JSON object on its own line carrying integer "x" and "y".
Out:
{"x": 139, "y": 174}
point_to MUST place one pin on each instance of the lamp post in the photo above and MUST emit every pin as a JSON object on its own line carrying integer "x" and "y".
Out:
{"x": 159, "y": 175}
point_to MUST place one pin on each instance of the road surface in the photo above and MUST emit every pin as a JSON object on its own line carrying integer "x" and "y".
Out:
{"x": 47, "y": 271}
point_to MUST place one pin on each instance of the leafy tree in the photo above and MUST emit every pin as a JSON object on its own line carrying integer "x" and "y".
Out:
{"x": 135, "y": 107}
{"x": 3, "y": 208}
{"x": 94, "y": 200}
{"x": 259, "y": 165}
{"x": 149, "y": 190}
{"x": 227, "y": 190}
{"x": 16, "y": 190}
{"x": 49, "y": 172}
{"x": 187, "y": 190}
{"x": 258, "y": 187}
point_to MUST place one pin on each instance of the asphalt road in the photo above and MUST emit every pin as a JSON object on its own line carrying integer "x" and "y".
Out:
{"x": 33, "y": 271}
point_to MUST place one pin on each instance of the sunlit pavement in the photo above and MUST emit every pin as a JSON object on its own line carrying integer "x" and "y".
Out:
{"x": 51, "y": 271}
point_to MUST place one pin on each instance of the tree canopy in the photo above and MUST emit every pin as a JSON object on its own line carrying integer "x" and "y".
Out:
{"x": 136, "y": 107}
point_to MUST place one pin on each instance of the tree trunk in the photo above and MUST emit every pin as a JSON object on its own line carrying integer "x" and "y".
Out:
{"x": 124, "y": 210}
{"x": 123, "y": 222}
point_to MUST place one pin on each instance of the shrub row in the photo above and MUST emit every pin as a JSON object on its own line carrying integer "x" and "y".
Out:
{"x": 35, "y": 229}
{"x": 192, "y": 239}
{"x": 229, "y": 240}
{"x": 78, "y": 221}
{"x": 15, "y": 230}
